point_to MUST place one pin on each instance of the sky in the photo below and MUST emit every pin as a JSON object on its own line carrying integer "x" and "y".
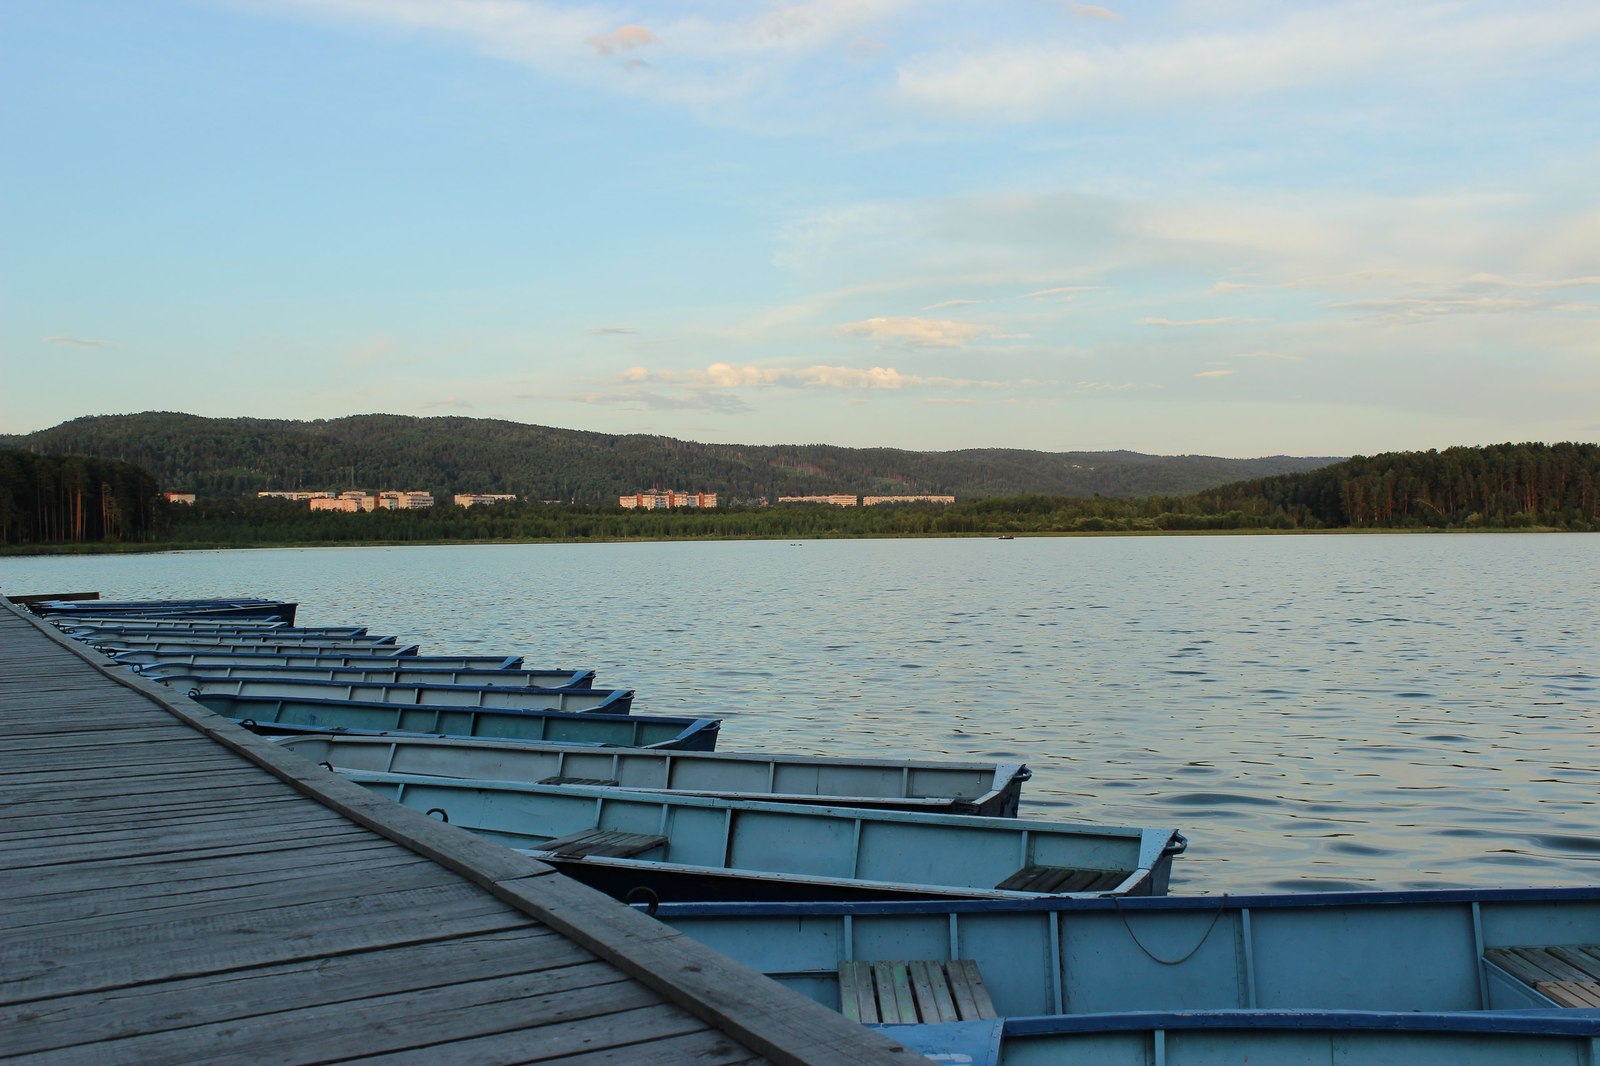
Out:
{"x": 1218, "y": 227}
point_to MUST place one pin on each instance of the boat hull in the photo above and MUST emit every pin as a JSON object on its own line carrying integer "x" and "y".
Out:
{"x": 991, "y": 790}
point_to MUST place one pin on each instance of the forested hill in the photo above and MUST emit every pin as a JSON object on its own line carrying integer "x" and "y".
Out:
{"x": 234, "y": 456}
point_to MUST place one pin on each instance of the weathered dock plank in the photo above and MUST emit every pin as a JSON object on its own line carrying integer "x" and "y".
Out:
{"x": 180, "y": 890}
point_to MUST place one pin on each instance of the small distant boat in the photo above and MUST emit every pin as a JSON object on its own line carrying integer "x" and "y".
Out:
{"x": 693, "y": 847}
{"x": 318, "y": 657}
{"x": 1435, "y": 950}
{"x": 584, "y": 700}
{"x": 938, "y": 787}
{"x": 393, "y": 672}
{"x": 237, "y": 608}
{"x": 284, "y": 716}
{"x": 1005, "y": 536}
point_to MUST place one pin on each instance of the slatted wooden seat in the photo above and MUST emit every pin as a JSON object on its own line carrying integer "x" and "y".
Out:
{"x": 910, "y": 992}
{"x": 559, "y": 780}
{"x": 1569, "y": 975}
{"x": 1063, "y": 879}
{"x": 605, "y": 842}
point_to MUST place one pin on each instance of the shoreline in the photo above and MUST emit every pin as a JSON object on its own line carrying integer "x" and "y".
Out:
{"x": 40, "y": 550}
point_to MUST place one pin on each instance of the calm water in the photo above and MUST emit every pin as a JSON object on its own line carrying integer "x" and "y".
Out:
{"x": 1313, "y": 712}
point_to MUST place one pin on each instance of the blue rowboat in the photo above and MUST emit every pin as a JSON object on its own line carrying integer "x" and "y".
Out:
{"x": 1263, "y": 1038}
{"x": 176, "y": 624}
{"x": 230, "y": 608}
{"x": 392, "y": 671}
{"x": 182, "y": 644}
{"x": 90, "y": 634}
{"x": 269, "y": 638}
{"x": 584, "y": 700}
{"x": 1436, "y": 950}
{"x": 937, "y": 787}
{"x": 317, "y": 657}
{"x": 274, "y": 715}
{"x": 693, "y": 847}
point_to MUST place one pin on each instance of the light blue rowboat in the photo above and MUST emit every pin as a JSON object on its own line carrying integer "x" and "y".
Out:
{"x": 273, "y": 715}
{"x": 938, "y": 787}
{"x": 694, "y": 847}
{"x": 100, "y": 632}
{"x": 392, "y": 672}
{"x": 167, "y": 624}
{"x": 375, "y": 645}
{"x": 1436, "y": 950}
{"x": 316, "y": 657}
{"x": 1263, "y": 1038}
{"x": 577, "y": 700}
{"x": 231, "y": 608}
{"x": 177, "y": 644}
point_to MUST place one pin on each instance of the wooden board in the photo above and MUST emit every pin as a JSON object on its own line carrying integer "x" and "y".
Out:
{"x": 179, "y": 890}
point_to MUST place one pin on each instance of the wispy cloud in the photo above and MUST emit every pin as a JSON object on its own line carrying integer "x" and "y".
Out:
{"x": 1069, "y": 291}
{"x": 918, "y": 332}
{"x": 942, "y": 304}
{"x": 1094, "y": 12}
{"x": 1419, "y": 307}
{"x": 78, "y": 342}
{"x": 622, "y": 39}
{"x": 1214, "y": 374}
{"x": 728, "y": 376}
{"x": 1194, "y": 323}
{"x": 448, "y": 401}
{"x": 1338, "y": 44}
{"x": 601, "y": 331}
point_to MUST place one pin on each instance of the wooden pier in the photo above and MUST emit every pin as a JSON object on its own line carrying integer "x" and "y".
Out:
{"x": 176, "y": 889}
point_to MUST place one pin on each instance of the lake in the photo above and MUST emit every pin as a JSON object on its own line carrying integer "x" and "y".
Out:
{"x": 1313, "y": 712}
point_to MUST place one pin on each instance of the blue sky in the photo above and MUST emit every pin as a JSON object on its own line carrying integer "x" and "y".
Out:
{"x": 1227, "y": 227}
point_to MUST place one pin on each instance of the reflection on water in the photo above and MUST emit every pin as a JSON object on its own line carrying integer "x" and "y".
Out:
{"x": 1313, "y": 712}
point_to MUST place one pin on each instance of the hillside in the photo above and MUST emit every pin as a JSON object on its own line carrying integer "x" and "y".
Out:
{"x": 235, "y": 456}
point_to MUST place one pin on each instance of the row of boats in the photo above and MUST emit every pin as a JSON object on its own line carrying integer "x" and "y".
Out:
{"x": 909, "y": 895}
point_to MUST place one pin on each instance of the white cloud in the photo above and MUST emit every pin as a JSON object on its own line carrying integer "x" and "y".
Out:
{"x": 622, "y": 39}
{"x": 1094, "y": 12}
{"x": 1214, "y": 374}
{"x": 78, "y": 342}
{"x": 601, "y": 331}
{"x": 918, "y": 332}
{"x": 728, "y": 376}
{"x": 1417, "y": 307}
{"x": 1336, "y": 45}
{"x": 1069, "y": 291}
{"x": 1197, "y": 322}
{"x": 942, "y": 304}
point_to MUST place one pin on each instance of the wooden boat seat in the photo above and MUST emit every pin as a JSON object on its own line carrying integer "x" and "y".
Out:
{"x": 1569, "y": 976}
{"x": 559, "y": 780}
{"x": 911, "y": 992}
{"x": 605, "y": 842}
{"x": 1063, "y": 879}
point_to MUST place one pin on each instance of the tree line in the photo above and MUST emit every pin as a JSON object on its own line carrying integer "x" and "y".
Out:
{"x": 49, "y": 500}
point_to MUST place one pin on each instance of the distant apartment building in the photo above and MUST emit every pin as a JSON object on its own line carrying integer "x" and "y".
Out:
{"x": 178, "y": 497}
{"x": 836, "y": 501}
{"x": 297, "y": 494}
{"x": 873, "y": 501}
{"x": 659, "y": 501}
{"x": 405, "y": 501}
{"x": 340, "y": 503}
{"x": 469, "y": 499}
